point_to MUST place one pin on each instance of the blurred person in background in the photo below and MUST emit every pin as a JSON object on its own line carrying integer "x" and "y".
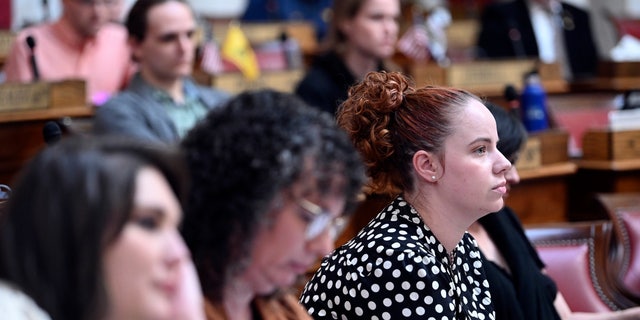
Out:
{"x": 362, "y": 35}
{"x": 81, "y": 44}
{"x": 550, "y": 30}
{"x": 162, "y": 102}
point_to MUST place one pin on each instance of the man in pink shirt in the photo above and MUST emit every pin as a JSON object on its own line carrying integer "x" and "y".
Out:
{"x": 82, "y": 44}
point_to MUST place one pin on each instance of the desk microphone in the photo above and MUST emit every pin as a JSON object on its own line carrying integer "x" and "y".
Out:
{"x": 51, "y": 132}
{"x": 31, "y": 42}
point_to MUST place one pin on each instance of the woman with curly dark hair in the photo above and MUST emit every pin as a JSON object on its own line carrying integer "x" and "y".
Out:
{"x": 433, "y": 149}
{"x": 272, "y": 181}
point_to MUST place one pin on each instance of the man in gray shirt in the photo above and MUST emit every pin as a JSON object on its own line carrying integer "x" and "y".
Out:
{"x": 162, "y": 102}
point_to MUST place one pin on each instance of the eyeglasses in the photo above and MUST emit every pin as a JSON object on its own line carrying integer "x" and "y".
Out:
{"x": 319, "y": 220}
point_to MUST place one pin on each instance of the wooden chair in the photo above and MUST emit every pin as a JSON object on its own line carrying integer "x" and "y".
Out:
{"x": 624, "y": 211}
{"x": 577, "y": 258}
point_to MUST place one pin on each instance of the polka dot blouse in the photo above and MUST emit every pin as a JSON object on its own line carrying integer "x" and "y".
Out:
{"x": 395, "y": 268}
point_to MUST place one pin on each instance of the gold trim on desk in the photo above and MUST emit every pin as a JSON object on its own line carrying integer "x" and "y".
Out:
{"x": 612, "y": 165}
{"x": 549, "y": 170}
{"x": 44, "y": 114}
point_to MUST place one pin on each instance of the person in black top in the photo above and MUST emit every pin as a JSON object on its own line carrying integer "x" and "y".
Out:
{"x": 519, "y": 287}
{"x": 525, "y": 28}
{"x": 362, "y": 34}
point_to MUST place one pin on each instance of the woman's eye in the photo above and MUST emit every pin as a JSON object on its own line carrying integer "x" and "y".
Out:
{"x": 149, "y": 223}
{"x": 481, "y": 150}
{"x": 306, "y": 217}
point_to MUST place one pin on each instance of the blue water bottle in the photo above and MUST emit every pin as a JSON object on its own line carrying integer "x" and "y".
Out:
{"x": 533, "y": 104}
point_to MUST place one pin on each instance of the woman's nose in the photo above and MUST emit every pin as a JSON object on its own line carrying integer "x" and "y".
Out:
{"x": 502, "y": 165}
{"x": 176, "y": 251}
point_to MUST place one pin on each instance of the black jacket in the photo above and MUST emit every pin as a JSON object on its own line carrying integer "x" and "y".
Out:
{"x": 327, "y": 82}
{"x": 502, "y": 22}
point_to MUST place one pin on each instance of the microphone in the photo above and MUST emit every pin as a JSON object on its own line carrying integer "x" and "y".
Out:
{"x": 512, "y": 97}
{"x": 31, "y": 42}
{"x": 51, "y": 132}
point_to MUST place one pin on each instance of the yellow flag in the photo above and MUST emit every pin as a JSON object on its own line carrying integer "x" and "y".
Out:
{"x": 236, "y": 48}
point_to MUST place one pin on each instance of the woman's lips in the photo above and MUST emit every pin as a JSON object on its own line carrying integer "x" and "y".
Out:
{"x": 501, "y": 189}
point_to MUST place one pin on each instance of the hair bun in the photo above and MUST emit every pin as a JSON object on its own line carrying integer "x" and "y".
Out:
{"x": 384, "y": 91}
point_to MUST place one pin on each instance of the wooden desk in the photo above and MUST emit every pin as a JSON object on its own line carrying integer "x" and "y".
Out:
{"x": 600, "y": 176}
{"x": 284, "y": 80}
{"x": 21, "y": 136}
{"x": 541, "y": 195}
{"x": 577, "y": 112}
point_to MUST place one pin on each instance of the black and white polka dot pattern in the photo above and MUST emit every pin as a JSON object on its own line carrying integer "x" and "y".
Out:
{"x": 395, "y": 268}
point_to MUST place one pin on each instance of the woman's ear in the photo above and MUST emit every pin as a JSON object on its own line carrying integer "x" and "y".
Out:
{"x": 344, "y": 26}
{"x": 136, "y": 51}
{"x": 426, "y": 165}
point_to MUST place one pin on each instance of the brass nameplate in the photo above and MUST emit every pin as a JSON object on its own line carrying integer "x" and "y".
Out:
{"x": 488, "y": 77}
{"x": 24, "y": 96}
{"x": 530, "y": 156}
{"x": 234, "y": 82}
{"x": 604, "y": 144}
{"x": 490, "y": 72}
{"x": 42, "y": 95}
{"x": 68, "y": 93}
{"x": 554, "y": 145}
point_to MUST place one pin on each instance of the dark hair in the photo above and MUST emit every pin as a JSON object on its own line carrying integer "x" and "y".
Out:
{"x": 68, "y": 204}
{"x": 242, "y": 156}
{"x": 137, "y": 19}
{"x": 389, "y": 120}
{"x": 511, "y": 132}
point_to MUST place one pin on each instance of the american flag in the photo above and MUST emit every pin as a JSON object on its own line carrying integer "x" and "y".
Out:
{"x": 211, "y": 58}
{"x": 414, "y": 43}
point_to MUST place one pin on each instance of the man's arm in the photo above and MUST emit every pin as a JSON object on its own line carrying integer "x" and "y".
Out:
{"x": 121, "y": 116}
